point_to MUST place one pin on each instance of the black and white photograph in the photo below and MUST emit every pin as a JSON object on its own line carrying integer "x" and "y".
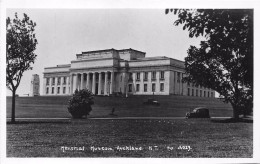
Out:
{"x": 128, "y": 82}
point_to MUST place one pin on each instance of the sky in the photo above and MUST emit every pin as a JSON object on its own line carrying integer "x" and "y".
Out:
{"x": 63, "y": 33}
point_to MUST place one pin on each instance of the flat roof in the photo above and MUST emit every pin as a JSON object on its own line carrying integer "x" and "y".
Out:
{"x": 112, "y": 49}
{"x": 58, "y": 66}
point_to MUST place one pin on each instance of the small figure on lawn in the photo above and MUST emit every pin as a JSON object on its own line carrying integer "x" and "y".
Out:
{"x": 112, "y": 112}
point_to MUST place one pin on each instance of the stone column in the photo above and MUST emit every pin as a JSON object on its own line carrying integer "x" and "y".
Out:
{"x": 76, "y": 82}
{"x": 134, "y": 82}
{"x": 158, "y": 82}
{"x": 123, "y": 83}
{"x": 149, "y": 83}
{"x": 181, "y": 90}
{"x": 81, "y": 81}
{"x": 55, "y": 86}
{"x": 175, "y": 82}
{"x": 99, "y": 83}
{"x": 67, "y": 85}
{"x": 87, "y": 86}
{"x": 105, "y": 85}
{"x": 71, "y": 84}
{"x": 94, "y": 83}
{"x": 141, "y": 82}
{"x": 50, "y": 85}
{"x": 112, "y": 82}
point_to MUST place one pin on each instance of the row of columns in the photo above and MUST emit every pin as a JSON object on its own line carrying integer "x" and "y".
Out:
{"x": 78, "y": 83}
{"x": 178, "y": 86}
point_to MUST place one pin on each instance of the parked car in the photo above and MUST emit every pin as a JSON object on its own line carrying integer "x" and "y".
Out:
{"x": 151, "y": 102}
{"x": 200, "y": 112}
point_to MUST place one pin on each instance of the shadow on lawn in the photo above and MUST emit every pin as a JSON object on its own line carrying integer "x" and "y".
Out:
{"x": 39, "y": 122}
{"x": 232, "y": 120}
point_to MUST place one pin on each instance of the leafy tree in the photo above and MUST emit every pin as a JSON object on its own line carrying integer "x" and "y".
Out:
{"x": 20, "y": 45}
{"x": 80, "y": 103}
{"x": 224, "y": 60}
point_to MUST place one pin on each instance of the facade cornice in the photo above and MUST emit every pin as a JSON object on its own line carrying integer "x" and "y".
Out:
{"x": 95, "y": 59}
{"x": 56, "y": 73}
{"x": 168, "y": 67}
{"x": 93, "y": 69}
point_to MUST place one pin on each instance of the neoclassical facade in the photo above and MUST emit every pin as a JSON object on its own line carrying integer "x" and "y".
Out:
{"x": 126, "y": 71}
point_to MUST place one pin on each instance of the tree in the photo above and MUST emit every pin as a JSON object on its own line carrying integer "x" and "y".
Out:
{"x": 224, "y": 60}
{"x": 20, "y": 45}
{"x": 80, "y": 103}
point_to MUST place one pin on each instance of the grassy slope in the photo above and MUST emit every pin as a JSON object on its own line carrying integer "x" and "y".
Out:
{"x": 207, "y": 139}
{"x": 171, "y": 106}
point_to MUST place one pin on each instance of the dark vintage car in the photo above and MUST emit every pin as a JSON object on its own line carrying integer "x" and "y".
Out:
{"x": 200, "y": 112}
{"x": 151, "y": 102}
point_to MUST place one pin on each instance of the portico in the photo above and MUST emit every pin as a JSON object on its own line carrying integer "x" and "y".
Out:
{"x": 99, "y": 83}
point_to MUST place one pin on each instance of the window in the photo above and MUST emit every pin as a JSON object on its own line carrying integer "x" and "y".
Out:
{"x": 58, "y": 91}
{"x": 137, "y": 87}
{"x": 53, "y": 81}
{"x": 212, "y": 94}
{"x": 130, "y": 76}
{"x": 154, "y": 75}
{"x": 162, "y": 87}
{"x": 178, "y": 77}
{"x": 52, "y": 90}
{"x": 204, "y": 93}
{"x": 64, "y": 80}
{"x": 208, "y": 94}
{"x": 196, "y": 92}
{"x": 145, "y": 87}
{"x": 48, "y": 81}
{"x": 59, "y": 80}
{"x": 129, "y": 87}
{"x": 192, "y": 92}
{"x": 200, "y": 93}
{"x": 188, "y": 91}
{"x": 153, "y": 87}
{"x": 64, "y": 90}
{"x": 138, "y": 76}
{"x": 162, "y": 75}
{"x": 145, "y": 76}
{"x": 47, "y": 90}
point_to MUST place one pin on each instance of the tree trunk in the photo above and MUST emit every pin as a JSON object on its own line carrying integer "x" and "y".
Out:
{"x": 235, "y": 112}
{"x": 13, "y": 107}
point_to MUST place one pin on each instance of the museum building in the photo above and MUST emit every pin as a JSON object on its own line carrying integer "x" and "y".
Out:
{"x": 126, "y": 72}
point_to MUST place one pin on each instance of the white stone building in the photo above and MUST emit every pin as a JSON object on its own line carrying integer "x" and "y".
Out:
{"x": 125, "y": 71}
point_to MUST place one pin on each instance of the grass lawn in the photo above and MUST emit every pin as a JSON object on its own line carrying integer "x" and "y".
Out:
{"x": 205, "y": 138}
{"x": 171, "y": 106}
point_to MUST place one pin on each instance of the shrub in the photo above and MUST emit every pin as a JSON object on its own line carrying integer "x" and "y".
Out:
{"x": 80, "y": 103}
